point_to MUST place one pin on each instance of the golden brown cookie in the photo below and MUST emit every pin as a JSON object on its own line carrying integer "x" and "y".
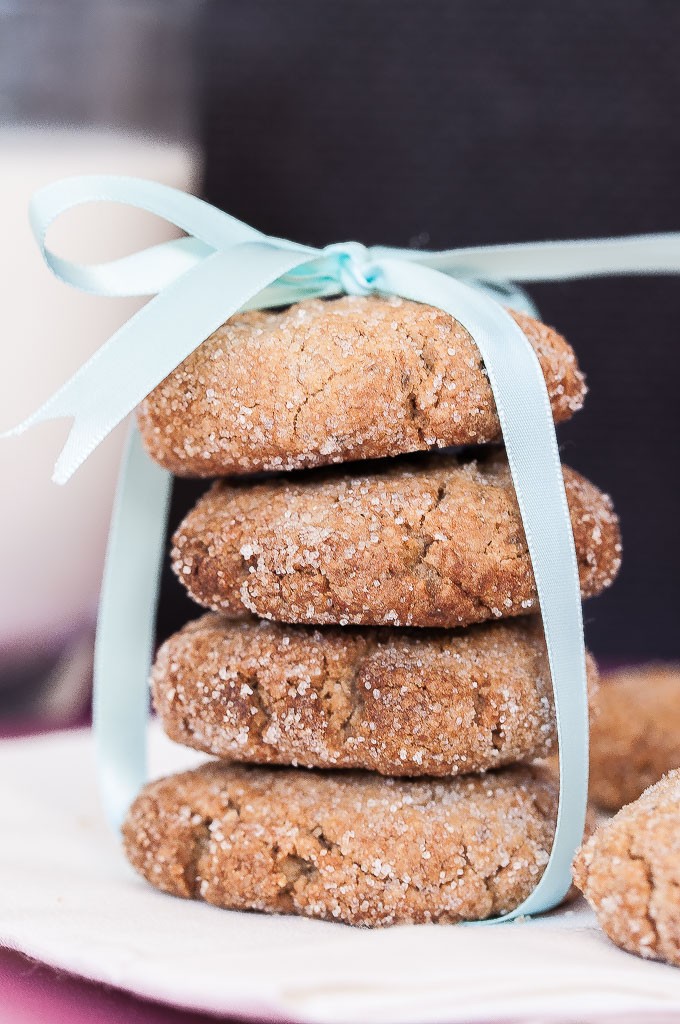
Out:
{"x": 629, "y": 872}
{"x": 399, "y": 702}
{"x": 635, "y": 737}
{"x": 333, "y": 380}
{"x": 426, "y": 541}
{"x": 350, "y": 846}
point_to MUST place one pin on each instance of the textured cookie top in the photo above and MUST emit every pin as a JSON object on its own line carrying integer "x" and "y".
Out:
{"x": 635, "y": 737}
{"x": 629, "y": 872}
{"x": 400, "y": 702}
{"x": 426, "y": 541}
{"x": 349, "y": 846}
{"x": 333, "y": 380}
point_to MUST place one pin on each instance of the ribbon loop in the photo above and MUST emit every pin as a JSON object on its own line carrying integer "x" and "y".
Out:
{"x": 209, "y": 229}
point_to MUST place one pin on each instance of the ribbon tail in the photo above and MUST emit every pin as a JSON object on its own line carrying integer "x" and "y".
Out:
{"x": 155, "y": 341}
{"x": 529, "y": 433}
{"x": 553, "y": 261}
{"x": 125, "y": 627}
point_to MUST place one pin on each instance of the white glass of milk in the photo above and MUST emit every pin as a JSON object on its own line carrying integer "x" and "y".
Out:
{"x": 84, "y": 88}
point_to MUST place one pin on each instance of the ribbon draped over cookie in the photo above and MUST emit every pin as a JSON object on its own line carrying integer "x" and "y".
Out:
{"x": 223, "y": 266}
{"x": 232, "y": 266}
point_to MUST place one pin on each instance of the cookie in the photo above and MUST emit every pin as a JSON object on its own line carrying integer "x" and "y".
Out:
{"x": 329, "y": 381}
{"x": 629, "y": 871}
{"x": 635, "y": 736}
{"x": 397, "y": 702}
{"x": 349, "y": 846}
{"x": 426, "y": 541}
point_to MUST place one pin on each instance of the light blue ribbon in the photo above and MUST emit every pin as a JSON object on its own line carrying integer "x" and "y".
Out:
{"x": 224, "y": 266}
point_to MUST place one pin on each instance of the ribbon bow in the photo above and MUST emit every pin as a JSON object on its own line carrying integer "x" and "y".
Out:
{"x": 224, "y": 266}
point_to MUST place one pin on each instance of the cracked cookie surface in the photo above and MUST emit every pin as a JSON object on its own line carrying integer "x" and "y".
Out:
{"x": 629, "y": 871}
{"x": 399, "y": 702}
{"x": 346, "y": 846}
{"x": 334, "y": 380}
{"x": 635, "y": 736}
{"x": 420, "y": 541}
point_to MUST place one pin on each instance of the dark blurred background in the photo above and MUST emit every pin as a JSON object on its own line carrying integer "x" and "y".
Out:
{"x": 451, "y": 123}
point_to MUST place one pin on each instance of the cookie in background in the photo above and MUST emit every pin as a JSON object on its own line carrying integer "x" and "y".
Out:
{"x": 635, "y": 732}
{"x": 629, "y": 871}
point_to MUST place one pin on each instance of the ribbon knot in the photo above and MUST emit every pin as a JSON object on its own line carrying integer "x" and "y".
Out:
{"x": 355, "y": 270}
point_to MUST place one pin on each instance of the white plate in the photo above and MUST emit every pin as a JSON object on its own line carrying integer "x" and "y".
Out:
{"x": 67, "y": 897}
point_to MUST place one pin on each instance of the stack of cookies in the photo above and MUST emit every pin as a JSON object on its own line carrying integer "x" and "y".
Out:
{"x": 372, "y": 675}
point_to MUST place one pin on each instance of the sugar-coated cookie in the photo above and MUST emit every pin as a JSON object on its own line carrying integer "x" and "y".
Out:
{"x": 350, "y": 846}
{"x": 425, "y": 541}
{"x": 335, "y": 380}
{"x": 399, "y": 702}
{"x": 635, "y": 736}
{"x": 629, "y": 871}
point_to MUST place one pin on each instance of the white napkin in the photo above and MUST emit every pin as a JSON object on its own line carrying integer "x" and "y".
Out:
{"x": 67, "y": 897}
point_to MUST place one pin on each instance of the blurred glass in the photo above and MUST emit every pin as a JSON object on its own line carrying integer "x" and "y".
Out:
{"x": 85, "y": 87}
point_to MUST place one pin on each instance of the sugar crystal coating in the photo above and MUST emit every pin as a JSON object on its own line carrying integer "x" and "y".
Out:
{"x": 399, "y": 702}
{"x": 328, "y": 381}
{"x": 629, "y": 871}
{"x": 421, "y": 541}
{"x": 346, "y": 846}
{"x": 635, "y": 735}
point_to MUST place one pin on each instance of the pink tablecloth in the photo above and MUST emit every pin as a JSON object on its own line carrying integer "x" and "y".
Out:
{"x": 33, "y": 994}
